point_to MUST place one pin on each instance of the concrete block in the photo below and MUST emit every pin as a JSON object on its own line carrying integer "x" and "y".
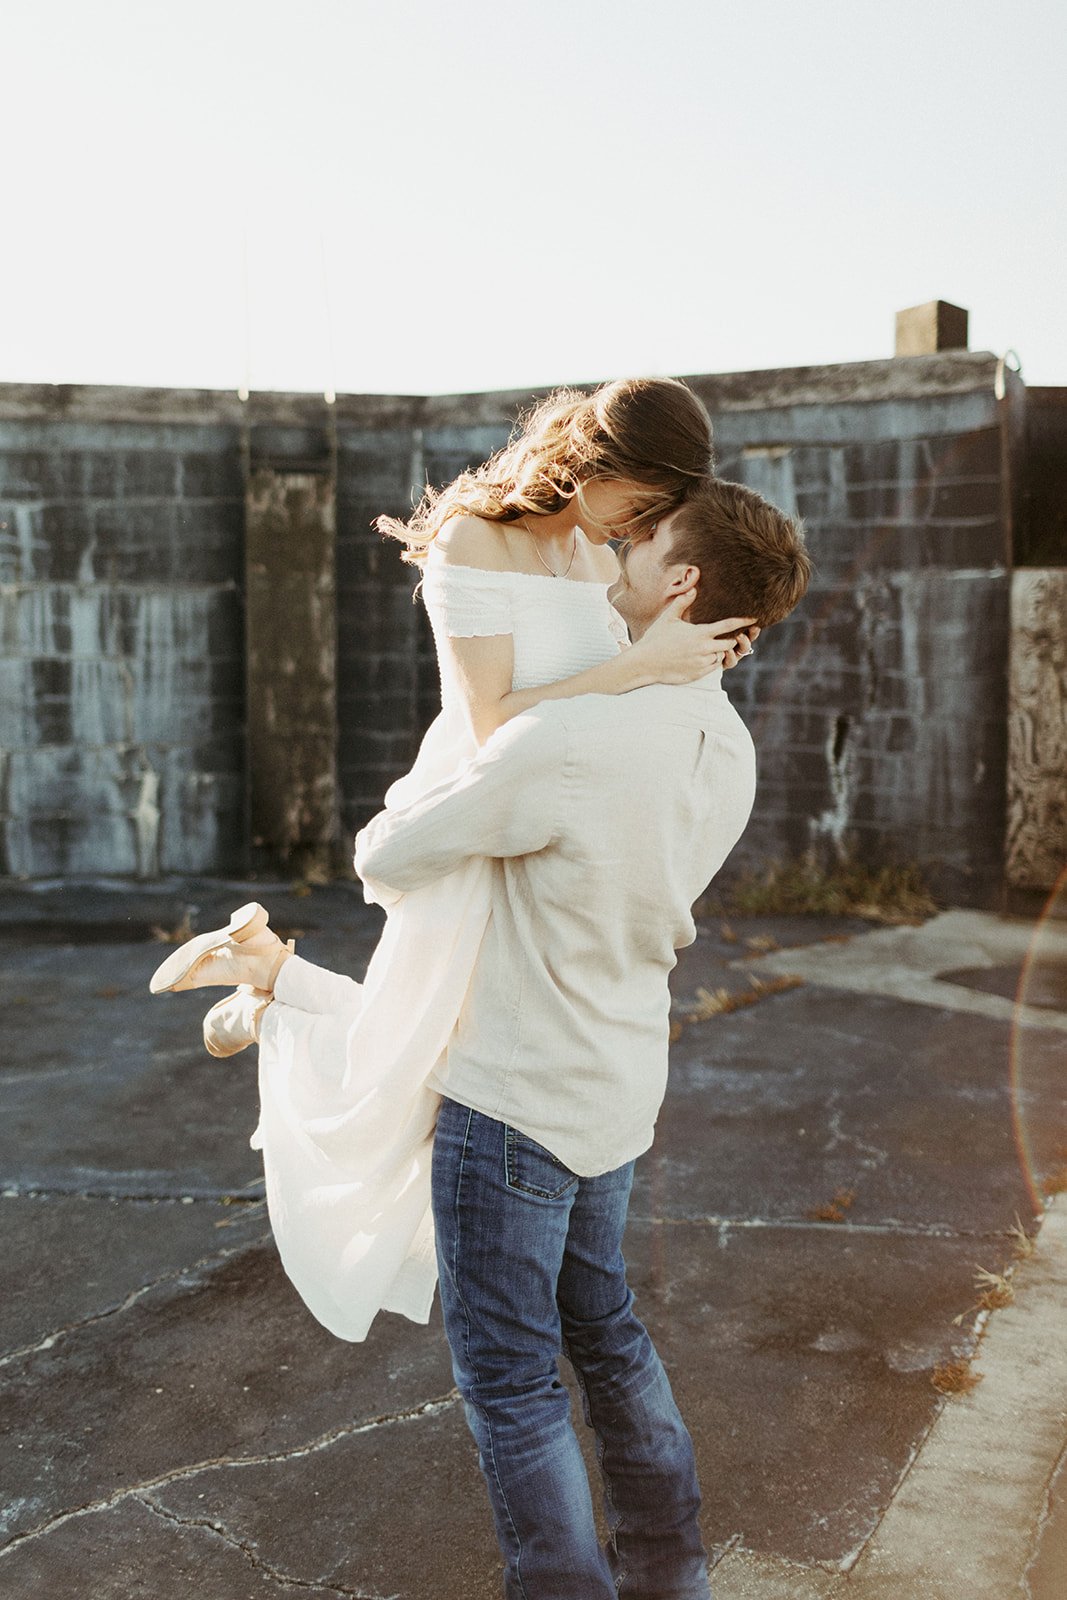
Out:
{"x": 369, "y": 559}
{"x": 203, "y": 476}
{"x": 956, "y": 455}
{"x": 81, "y": 845}
{"x": 967, "y": 499}
{"x": 65, "y": 545}
{"x": 150, "y": 474}
{"x": 290, "y": 449}
{"x": 377, "y": 712}
{"x": 926, "y": 329}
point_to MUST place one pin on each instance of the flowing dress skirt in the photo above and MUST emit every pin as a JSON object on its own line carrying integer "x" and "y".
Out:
{"x": 346, "y": 1118}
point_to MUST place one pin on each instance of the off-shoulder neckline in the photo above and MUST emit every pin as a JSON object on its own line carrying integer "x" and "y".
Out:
{"x": 536, "y": 577}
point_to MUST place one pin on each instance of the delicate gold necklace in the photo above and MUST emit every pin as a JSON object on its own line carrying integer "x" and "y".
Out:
{"x": 540, "y": 557}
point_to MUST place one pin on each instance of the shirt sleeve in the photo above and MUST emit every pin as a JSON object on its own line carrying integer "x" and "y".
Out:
{"x": 507, "y": 801}
{"x": 467, "y": 602}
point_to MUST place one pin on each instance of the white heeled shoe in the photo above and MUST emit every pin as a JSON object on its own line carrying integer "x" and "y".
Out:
{"x": 232, "y": 1024}
{"x": 246, "y": 951}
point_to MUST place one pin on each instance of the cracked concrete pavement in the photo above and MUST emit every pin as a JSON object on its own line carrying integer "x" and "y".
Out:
{"x": 832, "y": 1164}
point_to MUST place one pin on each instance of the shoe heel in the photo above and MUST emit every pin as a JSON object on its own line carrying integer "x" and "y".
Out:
{"x": 247, "y": 921}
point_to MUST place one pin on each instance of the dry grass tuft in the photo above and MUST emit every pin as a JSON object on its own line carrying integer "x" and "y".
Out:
{"x": 835, "y": 1209}
{"x": 997, "y": 1292}
{"x": 881, "y": 894}
{"x": 716, "y": 1003}
{"x": 955, "y": 1377}
{"x": 176, "y": 935}
{"x": 727, "y": 933}
{"x": 1023, "y": 1245}
{"x": 761, "y": 943}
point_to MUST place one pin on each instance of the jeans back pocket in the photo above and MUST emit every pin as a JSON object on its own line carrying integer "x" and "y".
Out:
{"x": 533, "y": 1169}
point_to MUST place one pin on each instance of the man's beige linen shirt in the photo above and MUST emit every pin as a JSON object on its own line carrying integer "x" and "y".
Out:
{"x": 606, "y": 816}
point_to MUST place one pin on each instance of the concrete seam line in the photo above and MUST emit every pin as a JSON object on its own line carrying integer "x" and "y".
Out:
{"x": 748, "y": 1575}
{"x": 965, "y": 1518}
{"x": 1046, "y": 1512}
{"x": 903, "y": 1230}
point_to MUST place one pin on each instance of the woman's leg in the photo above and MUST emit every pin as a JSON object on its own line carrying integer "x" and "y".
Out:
{"x": 301, "y": 983}
{"x": 501, "y": 1208}
{"x": 644, "y": 1448}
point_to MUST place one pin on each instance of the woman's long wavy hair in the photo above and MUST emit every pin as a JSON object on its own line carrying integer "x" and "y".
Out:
{"x": 654, "y": 432}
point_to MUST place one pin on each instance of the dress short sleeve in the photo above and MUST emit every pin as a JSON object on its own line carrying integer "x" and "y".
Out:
{"x": 617, "y": 628}
{"x": 467, "y": 602}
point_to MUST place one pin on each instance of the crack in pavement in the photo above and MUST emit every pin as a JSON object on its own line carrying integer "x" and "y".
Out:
{"x": 428, "y": 1408}
{"x": 251, "y": 1194}
{"x": 1042, "y": 1522}
{"x": 220, "y": 1531}
{"x": 905, "y": 1230}
{"x": 216, "y": 1258}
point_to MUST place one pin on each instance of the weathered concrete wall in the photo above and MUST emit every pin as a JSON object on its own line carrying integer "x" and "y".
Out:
{"x": 1037, "y": 763}
{"x": 879, "y": 710}
{"x": 121, "y": 671}
{"x": 389, "y": 690}
{"x": 291, "y": 655}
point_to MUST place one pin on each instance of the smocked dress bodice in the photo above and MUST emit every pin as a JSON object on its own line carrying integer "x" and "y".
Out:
{"x": 559, "y": 627}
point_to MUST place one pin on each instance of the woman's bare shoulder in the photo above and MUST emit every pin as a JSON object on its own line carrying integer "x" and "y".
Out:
{"x": 467, "y": 541}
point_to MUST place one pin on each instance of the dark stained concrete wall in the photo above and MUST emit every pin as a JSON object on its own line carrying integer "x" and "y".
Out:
{"x": 121, "y": 670}
{"x": 291, "y": 667}
{"x": 879, "y": 710}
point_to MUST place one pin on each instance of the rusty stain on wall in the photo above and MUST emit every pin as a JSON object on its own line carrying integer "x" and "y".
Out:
{"x": 1037, "y": 729}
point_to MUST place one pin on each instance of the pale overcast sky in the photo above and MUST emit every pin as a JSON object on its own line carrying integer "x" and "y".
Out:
{"x": 406, "y": 195}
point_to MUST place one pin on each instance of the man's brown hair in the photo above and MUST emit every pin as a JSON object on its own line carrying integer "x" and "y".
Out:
{"x": 752, "y": 557}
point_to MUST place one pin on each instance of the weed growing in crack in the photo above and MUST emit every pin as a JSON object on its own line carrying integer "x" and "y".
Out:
{"x": 718, "y": 1002}
{"x": 178, "y": 934}
{"x": 998, "y": 1292}
{"x": 955, "y": 1377}
{"x": 1023, "y": 1245}
{"x": 835, "y": 1209}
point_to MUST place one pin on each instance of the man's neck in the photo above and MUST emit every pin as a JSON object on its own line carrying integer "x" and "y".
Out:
{"x": 637, "y": 628}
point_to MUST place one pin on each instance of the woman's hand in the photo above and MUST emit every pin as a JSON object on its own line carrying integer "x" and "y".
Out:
{"x": 745, "y": 642}
{"x": 673, "y": 651}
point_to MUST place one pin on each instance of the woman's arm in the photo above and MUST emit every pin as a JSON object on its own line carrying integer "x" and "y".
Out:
{"x": 672, "y": 651}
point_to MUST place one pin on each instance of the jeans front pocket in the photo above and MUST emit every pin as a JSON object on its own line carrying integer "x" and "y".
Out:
{"x": 532, "y": 1169}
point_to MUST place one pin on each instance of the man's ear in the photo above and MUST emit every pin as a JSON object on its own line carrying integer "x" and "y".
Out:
{"x": 683, "y": 580}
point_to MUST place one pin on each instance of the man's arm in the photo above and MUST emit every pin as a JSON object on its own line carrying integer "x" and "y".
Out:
{"x": 505, "y": 802}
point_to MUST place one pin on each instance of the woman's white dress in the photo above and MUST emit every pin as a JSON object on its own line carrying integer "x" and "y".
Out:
{"x": 346, "y": 1120}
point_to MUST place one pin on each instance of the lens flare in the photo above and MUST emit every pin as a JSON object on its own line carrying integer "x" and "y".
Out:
{"x": 1054, "y": 909}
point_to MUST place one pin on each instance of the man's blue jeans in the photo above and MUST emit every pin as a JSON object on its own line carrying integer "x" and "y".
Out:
{"x": 530, "y": 1262}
